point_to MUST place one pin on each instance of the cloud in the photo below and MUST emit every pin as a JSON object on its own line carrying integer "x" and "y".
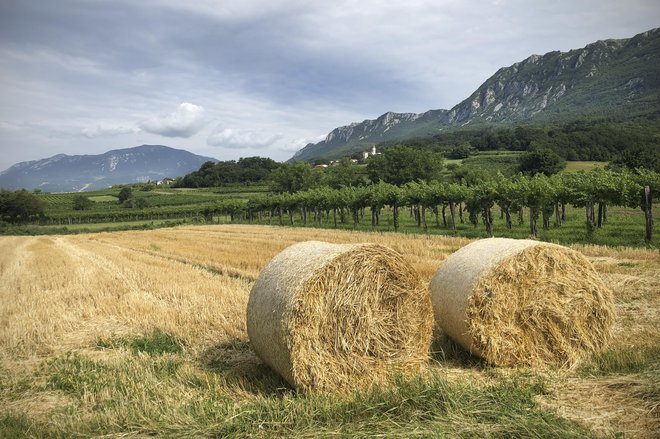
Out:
{"x": 297, "y": 67}
{"x": 240, "y": 139}
{"x": 301, "y": 142}
{"x": 107, "y": 131}
{"x": 8, "y": 127}
{"x": 185, "y": 122}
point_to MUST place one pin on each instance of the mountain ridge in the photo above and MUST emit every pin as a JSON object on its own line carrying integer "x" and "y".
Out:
{"x": 67, "y": 173}
{"x": 612, "y": 77}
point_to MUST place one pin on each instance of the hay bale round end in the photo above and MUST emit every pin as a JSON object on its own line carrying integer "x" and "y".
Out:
{"x": 338, "y": 316}
{"x": 522, "y": 303}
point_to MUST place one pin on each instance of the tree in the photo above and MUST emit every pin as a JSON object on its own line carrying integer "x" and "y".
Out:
{"x": 536, "y": 194}
{"x": 461, "y": 151}
{"x": 393, "y": 197}
{"x": 481, "y": 199}
{"x": 293, "y": 178}
{"x": 508, "y": 196}
{"x": 541, "y": 161}
{"x": 19, "y": 206}
{"x": 81, "y": 202}
{"x": 401, "y": 164}
{"x": 344, "y": 174}
{"x": 419, "y": 198}
{"x": 650, "y": 185}
{"x": 455, "y": 194}
{"x": 124, "y": 194}
{"x": 640, "y": 157}
{"x": 141, "y": 203}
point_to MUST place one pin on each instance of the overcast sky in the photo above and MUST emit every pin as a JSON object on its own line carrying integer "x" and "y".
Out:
{"x": 237, "y": 78}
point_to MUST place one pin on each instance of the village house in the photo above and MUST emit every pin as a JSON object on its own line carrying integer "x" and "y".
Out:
{"x": 367, "y": 154}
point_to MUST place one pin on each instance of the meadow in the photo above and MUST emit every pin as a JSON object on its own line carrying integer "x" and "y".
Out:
{"x": 142, "y": 333}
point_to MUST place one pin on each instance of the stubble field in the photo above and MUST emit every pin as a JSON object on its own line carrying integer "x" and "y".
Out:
{"x": 131, "y": 334}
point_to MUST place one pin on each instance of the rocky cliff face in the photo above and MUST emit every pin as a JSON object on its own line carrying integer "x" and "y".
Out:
{"x": 64, "y": 173}
{"x": 356, "y": 136}
{"x": 611, "y": 78}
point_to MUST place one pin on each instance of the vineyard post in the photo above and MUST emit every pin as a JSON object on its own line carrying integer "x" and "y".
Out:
{"x": 423, "y": 217}
{"x": 601, "y": 211}
{"x": 435, "y": 215}
{"x": 452, "y": 213}
{"x": 395, "y": 216}
{"x": 532, "y": 221}
{"x": 488, "y": 221}
{"x": 648, "y": 204}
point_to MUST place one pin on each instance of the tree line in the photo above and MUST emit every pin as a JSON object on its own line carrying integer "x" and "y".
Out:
{"x": 244, "y": 171}
{"x": 632, "y": 143}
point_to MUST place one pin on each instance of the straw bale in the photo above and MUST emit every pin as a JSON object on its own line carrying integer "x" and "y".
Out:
{"x": 336, "y": 316}
{"x": 522, "y": 302}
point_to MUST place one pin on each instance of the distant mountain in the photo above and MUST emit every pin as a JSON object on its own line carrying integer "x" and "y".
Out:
{"x": 67, "y": 173}
{"x": 616, "y": 79}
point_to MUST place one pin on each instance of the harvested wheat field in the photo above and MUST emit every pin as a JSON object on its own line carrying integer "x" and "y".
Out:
{"x": 131, "y": 334}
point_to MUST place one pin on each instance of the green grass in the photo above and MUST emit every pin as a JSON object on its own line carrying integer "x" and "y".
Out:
{"x": 427, "y": 407}
{"x": 492, "y": 162}
{"x": 156, "y": 343}
{"x": 77, "y": 375}
{"x": 7, "y": 229}
{"x": 575, "y": 166}
{"x": 625, "y": 227}
{"x": 623, "y": 361}
{"x": 19, "y": 426}
{"x": 168, "y": 207}
{"x": 103, "y": 198}
{"x": 174, "y": 396}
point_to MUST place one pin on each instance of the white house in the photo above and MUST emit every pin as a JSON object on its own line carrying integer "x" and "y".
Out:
{"x": 366, "y": 154}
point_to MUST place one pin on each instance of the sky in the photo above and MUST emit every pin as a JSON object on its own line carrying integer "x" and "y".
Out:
{"x": 239, "y": 78}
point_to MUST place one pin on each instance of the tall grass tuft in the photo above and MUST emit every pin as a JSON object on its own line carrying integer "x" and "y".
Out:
{"x": 156, "y": 343}
{"x": 629, "y": 360}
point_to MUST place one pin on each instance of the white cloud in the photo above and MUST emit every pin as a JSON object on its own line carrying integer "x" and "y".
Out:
{"x": 8, "y": 127}
{"x": 185, "y": 122}
{"x": 297, "y": 67}
{"x": 107, "y": 131}
{"x": 239, "y": 139}
{"x": 301, "y": 142}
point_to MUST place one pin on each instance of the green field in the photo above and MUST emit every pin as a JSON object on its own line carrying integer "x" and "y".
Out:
{"x": 624, "y": 227}
{"x": 103, "y": 198}
{"x": 576, "y": 166}
{"x": 163, "y": 207}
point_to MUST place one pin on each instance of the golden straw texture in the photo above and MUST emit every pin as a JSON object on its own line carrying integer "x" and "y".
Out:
{"x": 522, "y": 303}
{"x": 336, "y": 316}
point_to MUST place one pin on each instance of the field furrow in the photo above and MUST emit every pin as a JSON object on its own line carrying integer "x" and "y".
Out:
{"x": 127, "y": 328}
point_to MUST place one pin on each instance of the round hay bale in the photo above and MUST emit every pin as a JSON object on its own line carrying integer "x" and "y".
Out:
{"x": 522, "y": 302}
{"x": 336, "y": 316}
